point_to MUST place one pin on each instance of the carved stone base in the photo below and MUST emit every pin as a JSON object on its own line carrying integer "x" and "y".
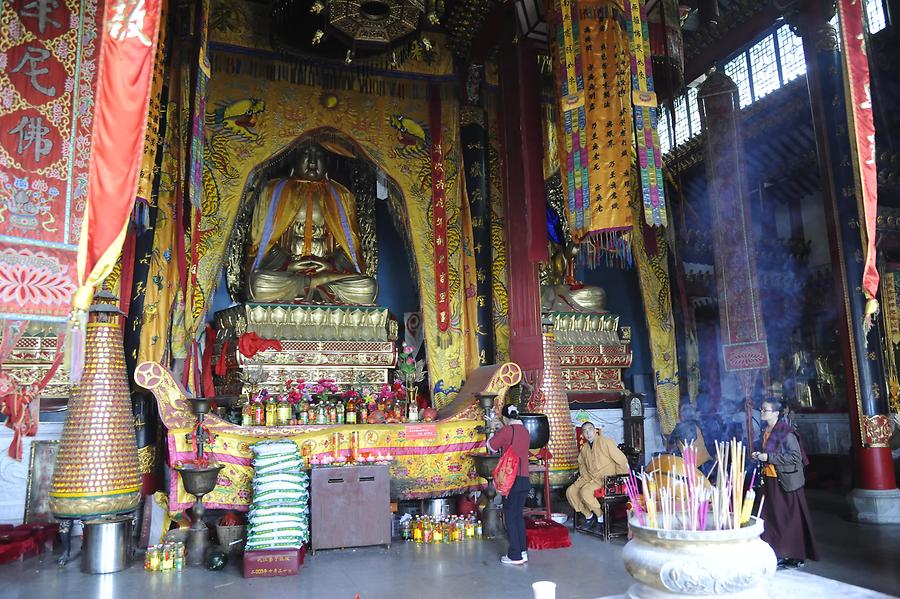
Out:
{"x": 592, "y": 352}
{"x": 308, "y": 322}
{"x": 875, "y": 507}
{"x": 348, "y": 344}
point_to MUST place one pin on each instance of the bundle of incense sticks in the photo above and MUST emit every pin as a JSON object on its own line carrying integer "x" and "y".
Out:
{"x": 683, "y": 499}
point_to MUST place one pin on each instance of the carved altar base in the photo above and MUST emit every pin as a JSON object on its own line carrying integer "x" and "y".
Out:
{"x": 348, "y": 344}
{"x": 593, "y": 352}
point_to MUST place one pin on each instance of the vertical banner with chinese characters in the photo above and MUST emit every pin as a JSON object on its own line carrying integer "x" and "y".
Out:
{"x": 591, "y": 50}
{"x": 862, "y": 140}
{"x": 125, "y": 73}
{"x": 48, "y": 68}
{"x": 439, "y": 213}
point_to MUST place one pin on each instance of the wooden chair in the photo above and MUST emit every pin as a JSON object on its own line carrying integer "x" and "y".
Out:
{"x": 611, "y": 497}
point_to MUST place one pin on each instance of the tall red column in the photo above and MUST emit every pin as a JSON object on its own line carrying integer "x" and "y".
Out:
{"x": 875, "y": 497}
{"x": 524, "y": 197}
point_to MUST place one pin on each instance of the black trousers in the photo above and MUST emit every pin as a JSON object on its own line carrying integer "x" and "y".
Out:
{"x": 513, "y": 506}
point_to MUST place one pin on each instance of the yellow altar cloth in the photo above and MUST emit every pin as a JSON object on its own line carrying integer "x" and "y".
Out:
{"x": 430, "y": 459}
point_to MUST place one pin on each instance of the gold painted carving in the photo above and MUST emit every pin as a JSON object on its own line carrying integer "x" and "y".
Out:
{"x": 147, "y": 458}
{"x": 876, "y": 430}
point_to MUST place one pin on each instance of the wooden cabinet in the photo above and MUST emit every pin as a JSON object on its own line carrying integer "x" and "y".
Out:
{"x": 350, "y": 506}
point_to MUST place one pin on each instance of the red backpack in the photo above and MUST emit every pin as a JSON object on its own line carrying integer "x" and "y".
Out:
{"x": 507, "y": 469}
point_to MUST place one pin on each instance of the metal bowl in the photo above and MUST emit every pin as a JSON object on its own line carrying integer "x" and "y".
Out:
{"x": 538, "y": 426}
{"x": 485, "y": 464}
{"x": 199, "y": 481}
{"x": 199, "y": 405}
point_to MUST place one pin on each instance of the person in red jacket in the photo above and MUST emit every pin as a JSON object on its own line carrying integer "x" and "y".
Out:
{"x": 514, "y": 434}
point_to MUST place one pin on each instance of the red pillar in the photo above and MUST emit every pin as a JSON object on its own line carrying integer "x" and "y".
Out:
{"x": 876, "y": 489}
{"x": 524, "y": 197}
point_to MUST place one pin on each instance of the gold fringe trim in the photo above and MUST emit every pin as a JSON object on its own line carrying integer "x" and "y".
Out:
{"x": 363, "y": 80}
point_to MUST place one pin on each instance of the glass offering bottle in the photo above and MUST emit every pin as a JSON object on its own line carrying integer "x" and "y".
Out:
{"x": 246, "y": 417}
{"x": 283, "y": 417}
{"x": 439, "y": 530}
{"x": 304, "y": 412}
{"x": 321, "y": 413}
{"x": 417, "y": 530}
{"x": 350, "y": 417}
{"x": 258, "y": 413}
{"x": 271, "y": 412}
{"x": 339, "y": 407}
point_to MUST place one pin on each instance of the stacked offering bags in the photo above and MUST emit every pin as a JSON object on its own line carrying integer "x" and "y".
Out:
{"x": 279, "y": 515}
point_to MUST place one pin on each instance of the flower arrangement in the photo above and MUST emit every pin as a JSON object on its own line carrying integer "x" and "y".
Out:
{"x": 411, "y": 370}
{"x": 296, "y": 390}
{"x": 324, "y": 387}
{"x": 261, "y": 397}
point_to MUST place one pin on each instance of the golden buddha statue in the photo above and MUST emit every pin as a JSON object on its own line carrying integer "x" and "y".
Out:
{"x": 561, "y": 292}
{"x": 305, "y": 239}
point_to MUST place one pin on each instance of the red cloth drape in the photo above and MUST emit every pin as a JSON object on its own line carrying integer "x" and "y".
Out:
{"x": 251, "y": 344}
{"x": 862, "y": 132}
{"x": 124, "y": 76}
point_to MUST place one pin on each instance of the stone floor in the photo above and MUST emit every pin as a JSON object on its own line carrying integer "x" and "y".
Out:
{"x": 861, "y": 555}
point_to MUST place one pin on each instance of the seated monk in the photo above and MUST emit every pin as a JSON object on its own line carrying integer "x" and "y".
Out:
{"x": 599, "y": 457}
{"x": 305, "y": 240}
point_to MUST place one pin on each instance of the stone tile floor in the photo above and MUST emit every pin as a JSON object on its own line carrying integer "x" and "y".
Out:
{"x": 866, "y": 556}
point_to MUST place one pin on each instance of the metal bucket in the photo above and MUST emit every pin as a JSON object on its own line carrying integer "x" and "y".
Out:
{"x": 106, "y": 546}
{"x": 437, "y": 508}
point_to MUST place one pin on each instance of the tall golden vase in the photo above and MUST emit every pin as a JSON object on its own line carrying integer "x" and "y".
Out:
{"x": 554, "y": 403}
{"x": 97, "y": 469}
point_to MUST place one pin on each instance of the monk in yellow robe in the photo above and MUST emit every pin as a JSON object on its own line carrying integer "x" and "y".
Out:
{"x": 599, "y": 457}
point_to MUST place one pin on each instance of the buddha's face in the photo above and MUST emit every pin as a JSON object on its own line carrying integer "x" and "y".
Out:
{"x": 311, "y": 163}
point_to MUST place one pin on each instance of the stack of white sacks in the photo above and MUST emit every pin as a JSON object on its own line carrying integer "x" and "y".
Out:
{"x": 279, "y": 515}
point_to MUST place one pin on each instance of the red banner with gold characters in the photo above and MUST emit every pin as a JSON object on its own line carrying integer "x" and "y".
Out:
{"x": 862, "y": 136}
{"x": 127, "y": 51}
{"x": 48, "y": 74}
{"x": 439, "y": 214}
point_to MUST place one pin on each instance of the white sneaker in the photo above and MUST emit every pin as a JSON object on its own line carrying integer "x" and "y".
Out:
{"x": 524, "y": 556}
{"x": 515, "y": 562}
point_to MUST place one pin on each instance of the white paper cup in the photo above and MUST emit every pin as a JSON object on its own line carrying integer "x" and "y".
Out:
{"x": 544, "y": 589}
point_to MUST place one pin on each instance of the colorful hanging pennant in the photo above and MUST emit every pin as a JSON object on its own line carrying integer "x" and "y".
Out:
{"x": 439, "y": 214}
{"x": 861, "y": 124}
{"x": 646, "y": 115}
{"x": 571, "y": 96}
{"x": 744, "y": 345}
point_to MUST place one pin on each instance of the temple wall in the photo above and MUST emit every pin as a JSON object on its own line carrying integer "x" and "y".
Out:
{"x": 14, "y": 474}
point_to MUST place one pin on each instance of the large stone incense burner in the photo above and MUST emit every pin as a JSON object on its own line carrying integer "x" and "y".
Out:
{"x": 669, "y": 564}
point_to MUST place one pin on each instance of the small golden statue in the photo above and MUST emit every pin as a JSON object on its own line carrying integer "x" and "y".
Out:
{"x": 305, "y": 240}
{"x": 562, "y": 292}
